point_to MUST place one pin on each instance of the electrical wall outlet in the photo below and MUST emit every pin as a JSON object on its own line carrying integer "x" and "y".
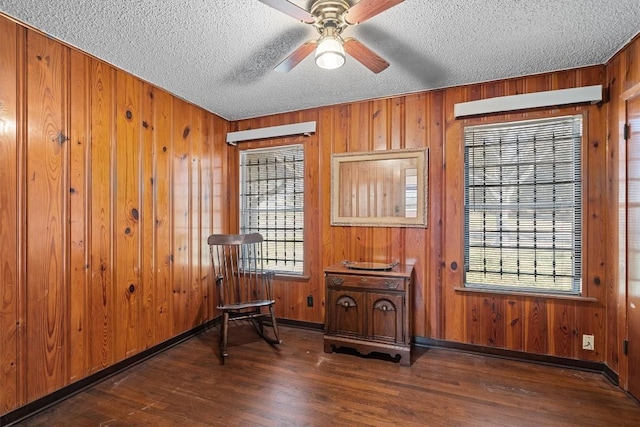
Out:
{"x": 587, "y": 342}
{"x": 310, "y": 301}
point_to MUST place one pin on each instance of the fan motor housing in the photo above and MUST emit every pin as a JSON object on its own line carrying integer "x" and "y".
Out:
{"x": 330, "y": 14}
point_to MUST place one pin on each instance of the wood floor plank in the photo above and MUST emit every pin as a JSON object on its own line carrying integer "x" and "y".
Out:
{"x": 299, "y": 384}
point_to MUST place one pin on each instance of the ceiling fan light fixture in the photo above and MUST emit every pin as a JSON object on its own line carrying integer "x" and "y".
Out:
{"x": 330, "y": 53}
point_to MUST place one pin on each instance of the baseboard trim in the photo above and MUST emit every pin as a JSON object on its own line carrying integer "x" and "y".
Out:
{"x": 611, "y": 375}
{"x": 565, "y": 362}
{"x": 51, "y": 399}
{"x": 303, "y": 325}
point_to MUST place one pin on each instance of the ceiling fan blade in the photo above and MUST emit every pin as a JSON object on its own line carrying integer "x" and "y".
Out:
{"x": 366, "y": 9}
{"x": 291, "y": 9}
{"x": 364, "y": 55}
{"x": 298, "y": 55}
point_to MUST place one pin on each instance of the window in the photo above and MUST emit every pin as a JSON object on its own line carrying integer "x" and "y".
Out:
{"x": 272, "y": 204}
{"x": 411, "y": 193}
{"x": 523, "y": 207}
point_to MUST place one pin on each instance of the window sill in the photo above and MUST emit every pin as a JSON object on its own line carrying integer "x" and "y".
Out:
{"x": 463, "y": 290}
{"x": 291, "y": 277}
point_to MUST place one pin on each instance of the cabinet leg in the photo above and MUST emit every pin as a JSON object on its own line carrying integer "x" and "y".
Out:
{"x": 405, "y": 359}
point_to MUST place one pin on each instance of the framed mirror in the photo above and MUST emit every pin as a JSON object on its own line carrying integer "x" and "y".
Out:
{"x": 380, "y": 188}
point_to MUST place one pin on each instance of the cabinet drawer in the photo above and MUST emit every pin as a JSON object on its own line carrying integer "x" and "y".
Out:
{"x": 368, "y": 282}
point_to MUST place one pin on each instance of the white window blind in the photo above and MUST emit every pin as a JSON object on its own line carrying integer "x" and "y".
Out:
{"x": 272, "y": 204}
{"x": 523, "y": 206}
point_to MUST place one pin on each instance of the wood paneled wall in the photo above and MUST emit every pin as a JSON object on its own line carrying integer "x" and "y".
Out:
{"x": 623, "y": 74}
{"x": 110, "y": 187}
{"x": 442, "y": 309}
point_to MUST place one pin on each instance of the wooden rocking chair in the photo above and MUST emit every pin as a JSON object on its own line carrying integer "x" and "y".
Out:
{"x": 243, "y": 286}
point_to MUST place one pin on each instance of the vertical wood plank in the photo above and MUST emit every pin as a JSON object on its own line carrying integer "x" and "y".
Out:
{"x": 397, "y": 124}
{"x": 206, "y": 220}
{"x": 514, "y": 333}
{"x": 10, "y": 92}
{"x": 536, "y": 328}
{"x": 380, "y": 126}
{"x": 21, "y": 229}
{"x": 162, "y": 213}
{"x": 313, "y": 167}
{"x": 148, "y": 261}
{"x": 473, "y": 319}
{"x": 47, "y": 195}
{"x": 453, "y": 182}
{"x": 328, "y": 120}
{"x": 493, "y": 89}
{"x": 195, "y": 220}
{"x": 562, "y": 324}
{"x": 616, "y": 262}
{"x": 360, "y": 127}
{"x": 340, "y": 117}
{"x": 432, "y": 286}
{"x": 416, "y": 243}
{"x": 181, "y": 222}
{"x": 127, "y": 216}
{"x": 492, "y": 330}
{"x": 597, "y": 216}
{"x": 564, "y": 79}
{"x": 221, "y": 203}
{"x": 79, "y": 185}
{"x": 101, "y": 292}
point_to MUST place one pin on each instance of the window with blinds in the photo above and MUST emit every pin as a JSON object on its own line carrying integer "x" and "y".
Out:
{"x": 272, "y": 204}
{"x": 523, "y": 208}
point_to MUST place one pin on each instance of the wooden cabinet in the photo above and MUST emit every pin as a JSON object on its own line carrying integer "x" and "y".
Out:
{"x": 369, "y": 310}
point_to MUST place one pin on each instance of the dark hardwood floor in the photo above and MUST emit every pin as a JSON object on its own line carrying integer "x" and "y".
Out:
{"x": 301, "y": 385}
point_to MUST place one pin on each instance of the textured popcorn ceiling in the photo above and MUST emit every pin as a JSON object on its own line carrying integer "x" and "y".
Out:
{"x": 220, "y": 54}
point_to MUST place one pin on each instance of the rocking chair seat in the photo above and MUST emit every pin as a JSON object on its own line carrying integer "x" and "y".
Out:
{"x": 245, "y": 305}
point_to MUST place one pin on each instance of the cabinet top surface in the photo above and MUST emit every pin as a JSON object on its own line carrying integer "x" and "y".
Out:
{"x": 400, "y": 270}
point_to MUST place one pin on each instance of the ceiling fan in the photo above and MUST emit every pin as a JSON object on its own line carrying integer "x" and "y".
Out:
{"x": 331, "y": 18}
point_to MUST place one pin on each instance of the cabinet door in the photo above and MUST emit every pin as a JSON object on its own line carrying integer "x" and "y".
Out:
{"x": 385, "y": 317}
{"x": 345, "y": 313}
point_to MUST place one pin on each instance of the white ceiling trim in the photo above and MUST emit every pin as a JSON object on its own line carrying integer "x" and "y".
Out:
{"x": 304, "y": 128}
{"x": 550, "y": 98}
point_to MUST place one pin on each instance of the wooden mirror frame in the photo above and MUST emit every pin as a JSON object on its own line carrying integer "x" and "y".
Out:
{"x": 371, "y": 189}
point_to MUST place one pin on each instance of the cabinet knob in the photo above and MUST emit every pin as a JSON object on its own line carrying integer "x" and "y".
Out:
{"x": 346, "y": 302}
{"x": 337, "y": 280}
{"x": 390, "y": 284}
{"x": 384, "y": 305}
